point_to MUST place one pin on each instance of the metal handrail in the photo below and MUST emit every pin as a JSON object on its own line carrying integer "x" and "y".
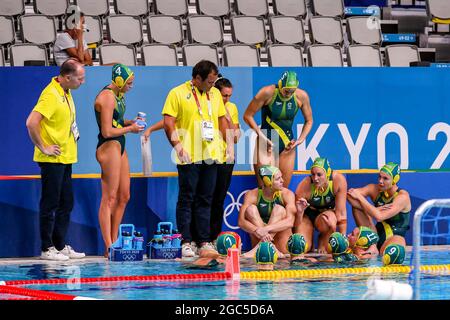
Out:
{"x": 424, "y": 207}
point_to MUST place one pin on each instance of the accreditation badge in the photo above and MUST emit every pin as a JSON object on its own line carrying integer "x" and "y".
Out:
{"x": 75, "y": 132}
{"x": 207, "y": 131}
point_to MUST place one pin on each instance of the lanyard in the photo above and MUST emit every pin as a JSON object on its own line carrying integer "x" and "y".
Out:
{"x": 70, "y": 108}
{"x": 198, "y": 102}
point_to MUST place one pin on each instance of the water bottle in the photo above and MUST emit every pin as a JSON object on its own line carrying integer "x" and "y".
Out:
{"x": 157, "y": 240}
{"x": 176, "y": 239}
{"x": 141, "y": 119}
{"x": 138, "y": 241}
{"x": 146, "y": 149}
{"x": 127, "y": 240}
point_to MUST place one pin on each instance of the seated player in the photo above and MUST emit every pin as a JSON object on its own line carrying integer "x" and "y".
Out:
{"x": 321, "y": 199}
{"x": 358, "y": 245}
{"x": 297, "y": 246}
{"x": 268, "y": 213}
{"x": 391, "y": 209}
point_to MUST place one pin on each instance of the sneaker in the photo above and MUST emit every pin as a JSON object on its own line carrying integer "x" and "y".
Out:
{"x": 186, "y": 251}
{"x": 208, "y": 246}
{"x": 194, "y": 247}
{"x": 53, "y": 254}
{"x": 72, "y": 254}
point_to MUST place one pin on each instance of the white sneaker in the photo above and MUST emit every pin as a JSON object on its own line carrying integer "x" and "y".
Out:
{"x": 194, "y": 247}
{"x": 72, "y": 254}
{"x": 53, "y": 254}
{"x": 186, "y": 250}
{"x": 208, "y": 246}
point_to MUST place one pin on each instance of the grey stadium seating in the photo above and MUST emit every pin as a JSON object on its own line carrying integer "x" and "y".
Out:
{"x": 280, "y": 55}
{"x": 320, "y": 55}
{"x": 359, "y": 55}
{"x": 21, "y": 53}
{"x": 193, "y": 53}
{"x": 117, "y": 53}
{"x": 157, "y": 54}
{"x": 240, "y": 55}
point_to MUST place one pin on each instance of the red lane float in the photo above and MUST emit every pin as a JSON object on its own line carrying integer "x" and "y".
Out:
{"x": 215, "y": 276}
{"x": 38, "y": 294}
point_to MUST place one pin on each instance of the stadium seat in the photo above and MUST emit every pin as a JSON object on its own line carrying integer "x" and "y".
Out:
{"x": 94, "y": 8}
{"x": 117, "y": 53}
{"x": 280, "y": 55}
{"x": 95, "y": 27}
{"x": 287, "y": 30}
{"x": 320, "y": 55}
{"x": 2, "y": 57}
{"x": 325, "y": 30}
{"x": 331, "y": 8}
{"x": 248, "y": 30}
{"x": 171, "y": 7}
{"x": 156, "y": 54}
{"x": 215, "y": 8}
{"x": 361, "y": 31}
{"x": 401, "y": 55}
{"x": 193, "y": 53}
{"x": 12, "y": 8}
{"x": 132, "y": 7}
{"x": 24, "y": 53}
{"x": 7, "y": 32}
{"x": 165, "y": 29}
{"x": 240, "y": 55}
{"x": 409, "y": 19}
{"x": 124, "y": 29}
{"x": 359, "y": 55}
{"x": 204, "y": 29}
{"x": 38, "y": 29}
{"x": 252, "y": 7}
{"x": 438, "y": 9}
{"x": 290, "y": 8}
{"x": 54, "y": 8}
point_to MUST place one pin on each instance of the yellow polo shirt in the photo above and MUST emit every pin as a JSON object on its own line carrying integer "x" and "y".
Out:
{"x": 180, "y": 104}
{"x": 58, "y": 110}
{"x": 234, "y": 114}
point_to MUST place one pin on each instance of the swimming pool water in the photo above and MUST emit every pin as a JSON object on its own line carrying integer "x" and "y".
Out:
{"x": 336, "y": 287}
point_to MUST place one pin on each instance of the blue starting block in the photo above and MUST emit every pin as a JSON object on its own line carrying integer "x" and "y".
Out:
{"x": 165, "y": 244}
{"x": 128, "y": 246}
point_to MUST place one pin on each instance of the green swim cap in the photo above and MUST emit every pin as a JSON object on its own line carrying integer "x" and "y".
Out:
{"x": 121, "y": 74}
{"x": 267, "y": 173}
{"x": 393, "y": 170}
{"x": 394, "y": 254}
{"x": 323, "y": 164}
{"x": 345, "y": 257}
{"x": 266, "y": 253}
{"x": 296, "y": 244}
{"x": 366, "y": 237}
{"x": 337, "y": 243}
{"x": 226, "y": 240}
{"x": 288, "y": 80}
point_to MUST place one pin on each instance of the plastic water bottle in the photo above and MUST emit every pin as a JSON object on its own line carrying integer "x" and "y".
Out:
{"x": 146, "y": 149}
{"x": 176, "y": 239}
{"x": 138, "y": 241}
{"x": 127, "y": 240}
{"x": 141, "y": 119}
{"x": 157, "y": 239}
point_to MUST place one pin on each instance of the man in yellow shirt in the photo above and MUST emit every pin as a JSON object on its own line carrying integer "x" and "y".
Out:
{"x": 53, "y": 130}
{"x": 193, "y": 115}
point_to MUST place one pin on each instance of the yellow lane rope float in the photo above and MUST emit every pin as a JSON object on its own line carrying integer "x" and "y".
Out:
{"x": 314, "y": 273}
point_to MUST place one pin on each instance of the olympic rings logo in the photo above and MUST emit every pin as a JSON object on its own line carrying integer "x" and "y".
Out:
{"x": 129, "y": 257}
{"x": 169, "y": 255}
{"x": 234, "y": 204}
